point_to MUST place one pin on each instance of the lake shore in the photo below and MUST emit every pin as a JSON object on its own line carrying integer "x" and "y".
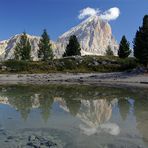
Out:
{"x": 109, "y": 79}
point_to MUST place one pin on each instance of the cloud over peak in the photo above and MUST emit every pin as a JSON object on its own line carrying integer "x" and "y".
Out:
{"x": 86, "y": 12}
{"x": 108, "y": 15}
{"x": 111, "y": 14}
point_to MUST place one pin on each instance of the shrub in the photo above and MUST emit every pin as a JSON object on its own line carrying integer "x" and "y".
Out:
{"x": 128, "y": 63}
{"x": 16, "y": 66}
{"x": 72, "y": 64}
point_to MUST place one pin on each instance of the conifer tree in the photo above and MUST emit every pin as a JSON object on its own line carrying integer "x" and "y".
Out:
{"x": 109, "y": 51}
{"x": 124, "y": 48}
{"x": 141, "y": 43}
{"x": 23, "y": 49}
{"x": 73, "y": 48}
{"x": 45, "y": 48}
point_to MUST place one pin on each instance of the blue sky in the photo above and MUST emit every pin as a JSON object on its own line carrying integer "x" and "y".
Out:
{"x": 58, "y": 16}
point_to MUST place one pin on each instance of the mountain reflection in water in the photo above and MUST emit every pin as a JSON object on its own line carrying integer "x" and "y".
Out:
{"x": 94, "y": 114}
{"x": 99, "y": 110}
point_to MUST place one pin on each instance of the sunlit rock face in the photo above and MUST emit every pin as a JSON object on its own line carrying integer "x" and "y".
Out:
{"x": 7, "y": 47}
{"x": 12, "y": 42}
{"x": 94, "y": 35}
{"x": 3, "y": 45}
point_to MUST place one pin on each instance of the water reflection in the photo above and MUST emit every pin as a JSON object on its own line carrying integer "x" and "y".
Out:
{"x": 124, "y": 108}
{"x": 141, "y": 113}
{"x": 98, "y": 109}
{"x": 95, "y": 115}
{"x": 94, "y": 107}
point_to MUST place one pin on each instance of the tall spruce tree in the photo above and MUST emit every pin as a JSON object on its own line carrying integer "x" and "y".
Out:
{"x": 45, "y": 48}
{"x": 73, "y": 48}
{"x": 141, "y": 43}
{"x": 124, "y": 48}
{"x": 23, "y": 49}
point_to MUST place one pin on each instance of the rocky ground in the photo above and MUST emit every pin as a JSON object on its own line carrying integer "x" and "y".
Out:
{"x": 29, "y": 139}
{"x": 49, "y": 138}
{"x": 116, "y": 78}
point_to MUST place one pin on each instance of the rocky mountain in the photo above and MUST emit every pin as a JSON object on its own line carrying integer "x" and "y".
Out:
{"x": 7, "y": 47}
{"x": 11, "y": 44}
{"x": 94, "y": 35}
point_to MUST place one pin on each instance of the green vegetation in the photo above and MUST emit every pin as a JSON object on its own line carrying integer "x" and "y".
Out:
{"x": 45, "y": 51}
{"x": 73, "y": 48}
{"x": 95, "y": 64}
{"x": 72, "y": 64}
{"x": 124, "y": 48}
{"x": 23, "y": 49}
{"x": 141, "y": 43}
{"x": 14, "y": 66}
{"x": 109, "y": 51}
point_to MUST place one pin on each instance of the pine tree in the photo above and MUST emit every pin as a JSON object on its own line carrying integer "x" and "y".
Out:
{"x": 124, "y": 48}
{"x": 109, "y": 51}
{"x": 23, "y": 48}
{"x": 45, "y": 48}
{"x": 73, "y": 48}
{"x": 141, "y": 43}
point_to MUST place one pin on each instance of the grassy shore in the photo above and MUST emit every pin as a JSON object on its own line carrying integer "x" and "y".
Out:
{"x": 85, "y": 64}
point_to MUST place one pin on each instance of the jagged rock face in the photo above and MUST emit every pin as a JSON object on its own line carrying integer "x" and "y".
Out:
{"x": 7, "y": 47}
{"x": 94, "y": 35}
{"x": 3, "y": 45}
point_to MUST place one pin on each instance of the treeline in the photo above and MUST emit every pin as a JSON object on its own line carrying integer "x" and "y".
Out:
{"x": 140, "y": 45}
{"x": 23, "y": 48}
{"x": 22, "y": 61}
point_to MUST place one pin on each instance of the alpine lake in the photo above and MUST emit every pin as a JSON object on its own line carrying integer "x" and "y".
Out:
{"x": 73, "y": 116}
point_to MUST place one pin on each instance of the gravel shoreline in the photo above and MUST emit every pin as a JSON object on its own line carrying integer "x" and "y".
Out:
{"x": 110, "y": 79}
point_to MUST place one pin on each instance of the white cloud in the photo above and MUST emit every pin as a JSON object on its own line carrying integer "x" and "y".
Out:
{"x": 111, "y": 14}
{"x": 87, "y": 12}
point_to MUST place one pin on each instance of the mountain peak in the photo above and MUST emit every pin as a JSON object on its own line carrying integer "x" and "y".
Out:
{"x": 94, "y": 35}
{"x": 83, "y": 24}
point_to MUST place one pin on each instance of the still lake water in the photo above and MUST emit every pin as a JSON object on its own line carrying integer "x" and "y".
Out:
{"x": 73, "y": 116}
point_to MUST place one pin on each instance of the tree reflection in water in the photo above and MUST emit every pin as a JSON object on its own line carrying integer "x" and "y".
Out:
{"x": 93, "y": 106}
{"x": 141, "y": 112}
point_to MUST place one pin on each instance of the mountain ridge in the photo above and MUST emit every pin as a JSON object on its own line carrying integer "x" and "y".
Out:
{"x": 94, "y": 35}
